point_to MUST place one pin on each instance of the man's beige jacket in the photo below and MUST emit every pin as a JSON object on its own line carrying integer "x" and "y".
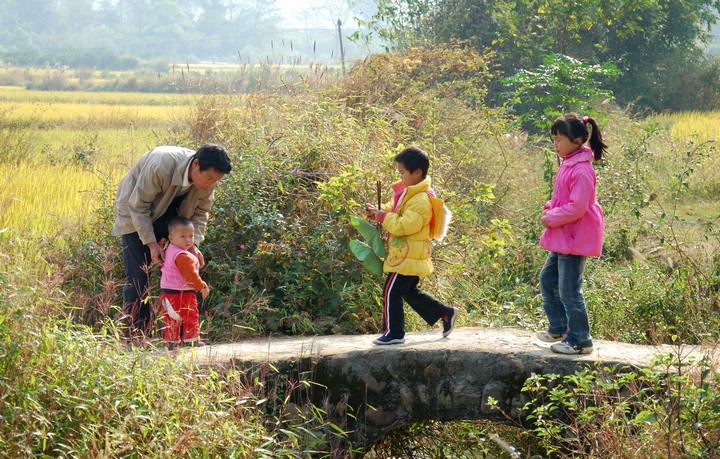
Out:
{"x": 146, "y": 191}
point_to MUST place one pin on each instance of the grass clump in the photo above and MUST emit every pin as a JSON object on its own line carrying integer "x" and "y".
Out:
{"x": 668, "y": 410}
{"x": 68, "y": 392}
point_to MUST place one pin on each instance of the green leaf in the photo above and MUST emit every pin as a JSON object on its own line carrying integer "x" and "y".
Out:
{"x": 364, "y": 253}
{"x": 646, "y": 417}
{"x": 371, "y": 235}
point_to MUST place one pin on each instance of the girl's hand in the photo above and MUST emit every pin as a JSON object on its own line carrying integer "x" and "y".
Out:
{"x": 543, "y": 221}
{"x": 205, "y": 292}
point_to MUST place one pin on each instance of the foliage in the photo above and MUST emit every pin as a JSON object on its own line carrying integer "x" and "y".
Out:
{"x": 470, "y": 440}
{"x": 305, "y": 164}
{"x": 453, "y": 71}
{"x": 560, "y": 85}
{"x": 68, "y": 392}
{"x": 305, "y": 161}
{"x": 51, "y": 31}
{"x": 371, "y": 253}
{"x": 304, "y": 172}
{"x": 670, "y": 409}
{"x": 645, "y": 40}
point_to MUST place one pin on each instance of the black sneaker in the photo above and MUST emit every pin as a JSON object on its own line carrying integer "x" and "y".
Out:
{"x": 449, "y": 322}
{"x": 388, "y": 340}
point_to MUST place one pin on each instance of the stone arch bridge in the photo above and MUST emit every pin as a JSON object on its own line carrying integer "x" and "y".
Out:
{"x": 426, "y": 378}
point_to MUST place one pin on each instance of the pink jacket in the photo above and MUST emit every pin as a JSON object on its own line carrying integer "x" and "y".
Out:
{"x": 576, "y": 221}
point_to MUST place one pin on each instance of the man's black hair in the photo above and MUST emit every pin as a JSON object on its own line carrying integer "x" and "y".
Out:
{"x": 413, "y": 158}
{"x": 213, "y": 156}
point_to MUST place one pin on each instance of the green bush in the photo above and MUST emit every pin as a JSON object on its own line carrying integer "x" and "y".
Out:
{"x": 669, "y": 410}
{"x": 279, "y": 262}
{"x": 66, "y": 391}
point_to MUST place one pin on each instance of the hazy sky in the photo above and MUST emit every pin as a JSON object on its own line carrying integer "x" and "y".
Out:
{"x": 291, "y": 10}
{"x": 311, "y": 13}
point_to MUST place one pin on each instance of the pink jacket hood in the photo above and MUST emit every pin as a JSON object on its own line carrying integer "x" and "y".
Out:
{"x": 576, "y": 221}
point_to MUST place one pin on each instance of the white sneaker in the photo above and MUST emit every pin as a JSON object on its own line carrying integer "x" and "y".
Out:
{"x": 548, "y": 337}
{"x": 572, "y": 349}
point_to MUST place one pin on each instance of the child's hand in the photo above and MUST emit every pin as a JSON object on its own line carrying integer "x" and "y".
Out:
{"x": 543, "y": 221}
{"x": 205, "y": 292}
{"x": 371, "y": 211}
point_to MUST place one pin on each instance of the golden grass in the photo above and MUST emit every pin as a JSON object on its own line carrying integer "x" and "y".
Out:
{"x": 78, "y": 142}
{"x": 113, "y": 147}
{"x": 45, "y": 200}
{"x": 91, "y": 115}
{"x": 91, "y": 110}
{"x": 698, "y": 126}
{"x": 17, "y": 94}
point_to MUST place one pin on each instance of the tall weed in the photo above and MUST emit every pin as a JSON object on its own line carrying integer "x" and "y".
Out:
{"x": 68, "y": 392}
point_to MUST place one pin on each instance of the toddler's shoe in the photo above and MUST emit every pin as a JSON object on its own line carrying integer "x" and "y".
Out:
{"x": 566, "y": 348}
{"x": 546, "y": 336}
{"x": 449, "y": 322}
{"x": 388, "y": 340}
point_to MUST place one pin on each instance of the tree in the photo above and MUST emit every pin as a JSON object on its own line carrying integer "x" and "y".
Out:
{"x": 558, "y": 86}
{"x": 638, "y": 37}
{"x": 234, "y": 24}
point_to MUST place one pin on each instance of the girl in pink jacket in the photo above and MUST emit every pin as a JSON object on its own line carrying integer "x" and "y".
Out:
{"x": 574, "y": 226}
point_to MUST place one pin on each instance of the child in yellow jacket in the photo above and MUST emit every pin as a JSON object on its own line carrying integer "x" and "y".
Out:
{"x": 408, "y": 219}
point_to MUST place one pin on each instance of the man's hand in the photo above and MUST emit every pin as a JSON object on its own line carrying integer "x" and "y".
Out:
{"x": 195, "y": 251}
{"x": 157, "y": 254}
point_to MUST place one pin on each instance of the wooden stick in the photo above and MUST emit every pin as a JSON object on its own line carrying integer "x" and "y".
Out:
{"x": 379, "y": 195}
{"x": 378, "y": 184}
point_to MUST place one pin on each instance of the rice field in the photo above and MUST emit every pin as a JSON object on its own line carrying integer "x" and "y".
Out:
{"x": 79, "y": 110}
{"x": 44, "y": 201}
{"x": 61, "y": 148}
{"x": 696, "y": 126}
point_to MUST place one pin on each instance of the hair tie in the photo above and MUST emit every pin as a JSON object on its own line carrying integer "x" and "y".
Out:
{"x": 586, "y": 119}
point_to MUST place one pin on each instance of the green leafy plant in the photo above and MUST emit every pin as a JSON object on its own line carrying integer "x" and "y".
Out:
{"x": 372, "y": 253}
{"x": 561, "y": 84}
{"x": 668, "y": 410}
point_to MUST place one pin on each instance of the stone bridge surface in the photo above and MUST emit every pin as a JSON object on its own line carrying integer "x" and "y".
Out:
{"x": 427, "y": 377}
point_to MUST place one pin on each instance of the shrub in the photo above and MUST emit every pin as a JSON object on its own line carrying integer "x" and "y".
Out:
{"x": 669, "y": 410}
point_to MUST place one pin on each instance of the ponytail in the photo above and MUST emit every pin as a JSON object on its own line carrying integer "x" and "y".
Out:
{"x": 596, "y": 142}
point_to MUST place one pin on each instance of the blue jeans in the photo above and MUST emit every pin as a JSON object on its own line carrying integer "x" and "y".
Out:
{"x": 562, "y": 297}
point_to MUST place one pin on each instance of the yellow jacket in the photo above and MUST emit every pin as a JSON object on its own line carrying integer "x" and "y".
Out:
{"x": 407, "y": 222}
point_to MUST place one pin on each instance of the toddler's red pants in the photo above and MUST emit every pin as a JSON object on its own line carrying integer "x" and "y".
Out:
{"x": 181, "y": 314}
